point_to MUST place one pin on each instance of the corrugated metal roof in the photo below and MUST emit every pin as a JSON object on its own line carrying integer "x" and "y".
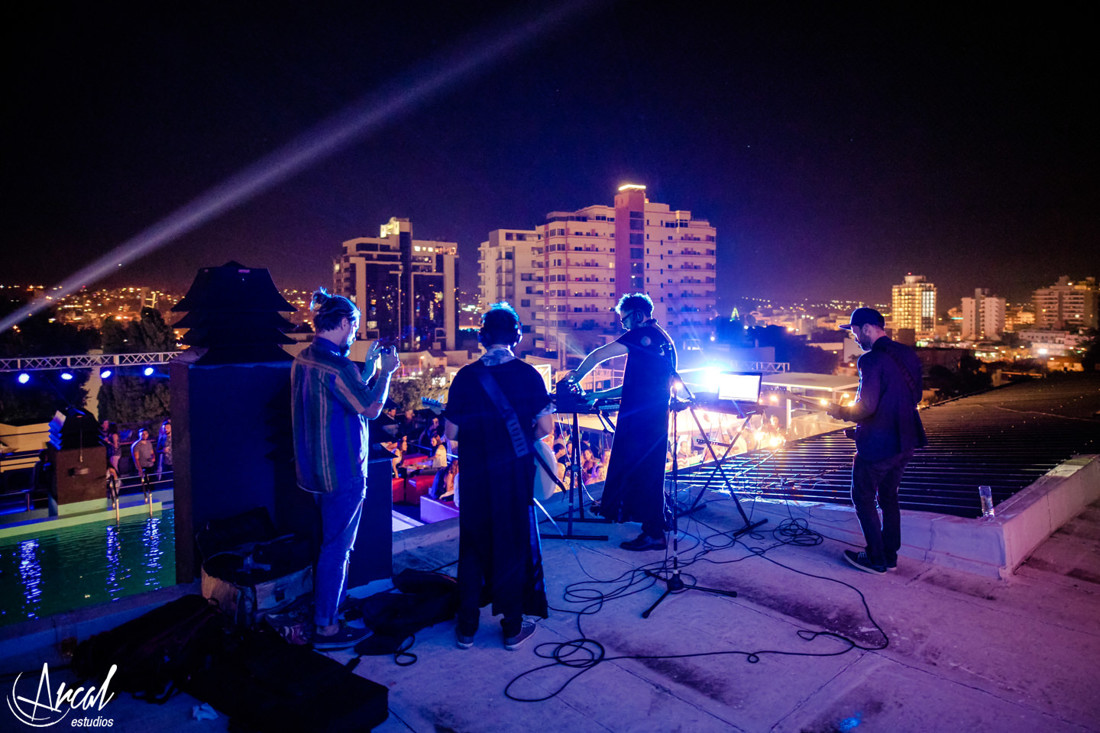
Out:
{"x": 1005, "y": 438}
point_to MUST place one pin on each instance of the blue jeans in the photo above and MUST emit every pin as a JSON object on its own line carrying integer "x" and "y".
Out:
{"x": 340, "y": 513}
{"x": 871, "y": 479}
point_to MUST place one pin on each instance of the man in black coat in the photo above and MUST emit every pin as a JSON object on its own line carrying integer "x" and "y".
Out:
{"x": 888, "y": 431}
{"x": 499, "y": 557}
{"x": 634, "y": 489}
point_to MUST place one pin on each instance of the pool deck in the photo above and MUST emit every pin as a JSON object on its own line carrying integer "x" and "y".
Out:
{"x": 16, "y": 524}
{"x": 931, "y": 646}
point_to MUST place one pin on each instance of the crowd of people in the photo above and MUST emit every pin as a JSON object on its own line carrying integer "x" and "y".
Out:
{"x": 150, "y": 461}
{"x": 420, "y": 446}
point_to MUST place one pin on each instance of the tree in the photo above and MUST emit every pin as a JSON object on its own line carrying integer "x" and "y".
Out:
{"x": 148, "y": 334}
{"x": 45, "y": 392}
{"x": 1090, "y": 361}
{"x": 731, "y": 331}
{"x": 794, "y": 350}
{"x": 132, "y": 399}
{"x": 970, "y": 378}
{"x": 407, "y": 392}
{"x": 129, "y": 397}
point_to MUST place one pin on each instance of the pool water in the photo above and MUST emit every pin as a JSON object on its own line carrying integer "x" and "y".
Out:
{"x": 58, "y": 570}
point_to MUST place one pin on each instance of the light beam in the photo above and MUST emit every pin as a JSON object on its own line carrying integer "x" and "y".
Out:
{"x": 367, "y": 115}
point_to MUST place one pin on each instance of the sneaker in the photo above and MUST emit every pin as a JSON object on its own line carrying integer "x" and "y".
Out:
{"x": 526, "y": 631}
{"x": 643, "y": 543}
{"x": 892, "y": 563}
{"x": 345, "y": 638}
{"x": 860, "y": 560}
{"x": 463, "y": 641}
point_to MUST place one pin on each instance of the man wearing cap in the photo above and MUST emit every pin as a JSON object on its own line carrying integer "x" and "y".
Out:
{"x": 888, "y": 431}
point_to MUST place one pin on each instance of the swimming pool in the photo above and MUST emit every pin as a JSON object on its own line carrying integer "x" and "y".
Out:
{"x": 67, "y": 568}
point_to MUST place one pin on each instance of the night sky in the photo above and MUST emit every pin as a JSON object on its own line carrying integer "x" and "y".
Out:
{"x": 835, "y": 147}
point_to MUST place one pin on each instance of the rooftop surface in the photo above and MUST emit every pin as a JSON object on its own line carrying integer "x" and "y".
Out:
{"x": 808, "y": 643}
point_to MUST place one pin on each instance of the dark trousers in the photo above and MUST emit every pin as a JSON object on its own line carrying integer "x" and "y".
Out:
{"x": 340, "y": 514}
{"x": 508, "y": 600}
{"x": 879, "y": 479}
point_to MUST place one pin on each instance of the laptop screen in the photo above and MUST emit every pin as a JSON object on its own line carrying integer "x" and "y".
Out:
{"x": 739, "y": 387}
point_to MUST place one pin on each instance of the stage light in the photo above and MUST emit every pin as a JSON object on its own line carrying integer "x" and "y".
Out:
{"x": 105, "y": 373}
{"x": 67, "y": 376}
{"x": 711, "y": 377}
{"x": 23, "y": 378}
{"x": 148, "y": 371}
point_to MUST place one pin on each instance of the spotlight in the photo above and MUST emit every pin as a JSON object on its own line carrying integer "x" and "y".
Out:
{"x": 67, "y": 376}
{"x": 105, "y": 373}
{"x": 711, "y": 378}
{"x": 148, "y": 371}
{"x": 23, "y": 378}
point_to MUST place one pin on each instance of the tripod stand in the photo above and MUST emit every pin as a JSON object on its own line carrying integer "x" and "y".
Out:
{"x": 689, "y": 404}
{"x": 674, "y": 583}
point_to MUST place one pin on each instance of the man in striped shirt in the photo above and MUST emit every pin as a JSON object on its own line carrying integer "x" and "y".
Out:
{"x": 330, "y": 404}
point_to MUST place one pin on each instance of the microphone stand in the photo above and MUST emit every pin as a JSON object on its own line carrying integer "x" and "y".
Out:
{"x": 674, "y": 583}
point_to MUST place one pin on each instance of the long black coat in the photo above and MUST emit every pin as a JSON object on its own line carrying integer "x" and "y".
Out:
{"x": 498, "y": 546}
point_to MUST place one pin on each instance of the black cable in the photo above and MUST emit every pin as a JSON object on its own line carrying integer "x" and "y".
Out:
{"x": 583, "y": 653}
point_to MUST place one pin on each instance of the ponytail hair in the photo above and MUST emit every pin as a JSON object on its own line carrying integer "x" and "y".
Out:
{"x": 330, "y": 310}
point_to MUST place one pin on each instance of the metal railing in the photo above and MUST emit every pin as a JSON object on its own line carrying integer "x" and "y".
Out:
{"x": 85, "y": 361}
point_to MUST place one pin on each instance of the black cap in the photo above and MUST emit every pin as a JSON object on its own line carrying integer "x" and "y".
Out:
{"x": 863, "y": 316}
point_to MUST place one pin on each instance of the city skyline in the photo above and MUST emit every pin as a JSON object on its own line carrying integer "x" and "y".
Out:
{"x": 835, "y": 149}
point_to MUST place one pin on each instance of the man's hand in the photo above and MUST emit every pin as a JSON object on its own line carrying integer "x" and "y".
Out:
{"x": 375, "y": 349}
{"x": 390, "y": 363}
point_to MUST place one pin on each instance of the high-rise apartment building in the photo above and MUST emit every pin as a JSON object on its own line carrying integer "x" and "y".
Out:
{"x": 983, "y": 316}
{"x": 1019, "y": 316}
{"x": 566, "y": 274}
{"x": 510, "y": 268}
{"x": 1067, "y": 304}
{"x": 914, "y": 306}
{"x": 405, "y": 288}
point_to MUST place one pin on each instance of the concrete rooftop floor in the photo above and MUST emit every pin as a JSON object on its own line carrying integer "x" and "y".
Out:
{"x": 924, "y": 648}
